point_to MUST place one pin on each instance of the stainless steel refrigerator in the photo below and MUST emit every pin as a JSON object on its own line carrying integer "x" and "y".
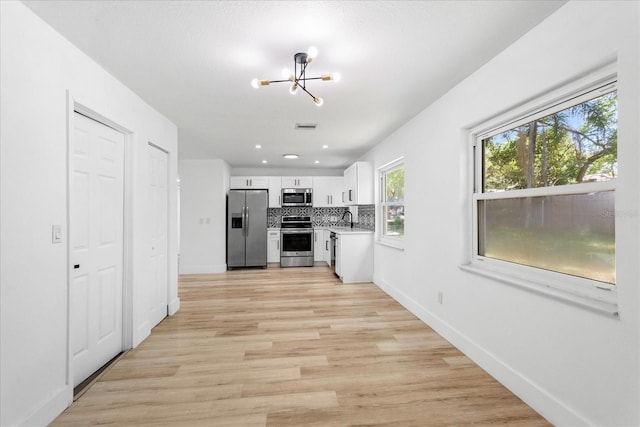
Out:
{"x": 247, "y": 228}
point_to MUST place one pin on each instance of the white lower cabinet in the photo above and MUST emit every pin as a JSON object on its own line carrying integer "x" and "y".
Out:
{"x": 273, "y": 245}
{"x": 318, "y": 244}
{"x": 354, "y": 257}
{"x": 327, "y": 247}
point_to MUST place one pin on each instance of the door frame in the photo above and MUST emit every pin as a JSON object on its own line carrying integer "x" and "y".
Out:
{"x": 73, "y": 106}
{"x": 168, "y": 225}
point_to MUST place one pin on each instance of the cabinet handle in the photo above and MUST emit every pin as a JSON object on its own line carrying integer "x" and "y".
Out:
{"x": 279, "y": 202}
{"x": 350, "y": 195}
{"x": 343, "y": 197}
{"x": 331, "y": 199}
{"x": 326, "y": 245}
{"x": 315, "y": 237}
{"x": 328, "y": 200}
{"x": 278, "y": 245}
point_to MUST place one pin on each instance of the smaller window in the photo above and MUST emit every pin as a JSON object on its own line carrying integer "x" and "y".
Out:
{"x": 392, "y": 201}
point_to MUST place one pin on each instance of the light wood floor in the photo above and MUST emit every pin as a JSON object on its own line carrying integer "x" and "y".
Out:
{"x": 294, "y": 347}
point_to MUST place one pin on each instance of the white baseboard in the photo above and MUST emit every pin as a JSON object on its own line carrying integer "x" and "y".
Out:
{"x": 540, "y": 400}
{"x": 203, "y": 269}
{"x": 50, "y": 409}
{"x": 174, "y": 306}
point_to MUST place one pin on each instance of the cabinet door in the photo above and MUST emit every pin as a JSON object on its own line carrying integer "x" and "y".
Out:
{"x": 249, "y": 182}
{"x": 297, "y": 182}
{"x": 273, "y": 246}
{"x": 327, "y": 247}
{"x": 259, "y": 182}
{"x": 321, "y": 192}
{"x": 336, "y": 191}
{"x": 318, "y": 245}
{"x": 350, "y": 185}
{"x": 239, "y": 183}
{"x": 275, "y": 192}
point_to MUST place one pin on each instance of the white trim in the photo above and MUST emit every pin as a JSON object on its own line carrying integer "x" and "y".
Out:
{"x": 604, "y": 302}
{"x": 547, "y": 102}
{"x": 203, "y": 269}
{"x": 391, "y": 244}
{"x": 50, "y": 409}
{"x": 383, "y": 239}
{"x": 174, "y": 306}
{"x": 525, "y": 388}
{"x": 559, "y": 190}
{"x": 580, "y": 291}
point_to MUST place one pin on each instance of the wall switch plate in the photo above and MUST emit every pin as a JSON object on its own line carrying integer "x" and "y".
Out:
{"x": 56, "y": 233}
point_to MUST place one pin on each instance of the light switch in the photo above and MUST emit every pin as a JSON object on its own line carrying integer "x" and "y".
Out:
{"x": 56, "y": 233}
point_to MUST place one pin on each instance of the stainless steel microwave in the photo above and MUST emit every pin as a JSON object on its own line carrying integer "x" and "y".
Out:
{"x": 296, "y": 197}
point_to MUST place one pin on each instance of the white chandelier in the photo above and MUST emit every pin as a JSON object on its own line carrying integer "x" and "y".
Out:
{"x": 299, "y": 77}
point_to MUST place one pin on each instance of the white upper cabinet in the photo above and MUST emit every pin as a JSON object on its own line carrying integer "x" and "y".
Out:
{"x": 328, "y": 191}
{"x": 297, "y": 182}
{"x": 249, "y": 183}
{"x": 275, "y": 192}
{"x": 358, "y": 184}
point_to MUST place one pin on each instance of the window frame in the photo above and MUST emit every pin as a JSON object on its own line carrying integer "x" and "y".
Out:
{"x": 389, "y": 240}
{"x": 578, "y": 290}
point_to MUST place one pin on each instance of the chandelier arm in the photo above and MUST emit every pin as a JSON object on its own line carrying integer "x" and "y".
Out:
{"x": 309, "y": 93}
{"x": 302, "y": 77}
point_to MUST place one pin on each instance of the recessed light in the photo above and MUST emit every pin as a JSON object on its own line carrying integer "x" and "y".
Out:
{"x": 290, "y": 156}
{"x": 317, "y": 161}
{"x": 258, "y": 146}
{"x": 264, "y": 161}
{"x": 324, "y": 147}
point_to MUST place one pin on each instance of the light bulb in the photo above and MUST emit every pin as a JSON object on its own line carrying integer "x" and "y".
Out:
{"x": 337, "y": 77}
{"x": 286, "y": 73}
{"x": 255, "y": 83}
{"x": 318, "y": 101}
{"x": 312, "y": 52}
{"x": 293, "y": 89}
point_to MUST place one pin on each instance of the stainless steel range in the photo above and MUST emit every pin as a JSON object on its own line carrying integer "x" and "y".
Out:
{"x": 296, "y": 241}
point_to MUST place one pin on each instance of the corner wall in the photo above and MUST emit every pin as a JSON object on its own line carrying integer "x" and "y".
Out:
{"x": 38, "y": 67}
{"x": 203, "y": 196}
{"x": 574, "y": 366}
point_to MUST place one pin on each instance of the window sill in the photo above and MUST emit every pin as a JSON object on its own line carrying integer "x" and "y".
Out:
{"x": 395, "y": 245}
{"x": 599, "y": 305}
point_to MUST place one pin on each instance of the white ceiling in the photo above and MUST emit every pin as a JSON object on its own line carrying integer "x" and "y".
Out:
{"x": 194, "y": 60}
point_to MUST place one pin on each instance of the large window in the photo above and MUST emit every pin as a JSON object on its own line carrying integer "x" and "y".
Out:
{"x": 392, "y": 201}
{"x": 544, "y": 191}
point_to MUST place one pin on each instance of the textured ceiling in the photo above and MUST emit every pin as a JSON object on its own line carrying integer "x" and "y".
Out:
{"x": 194, "y": 60}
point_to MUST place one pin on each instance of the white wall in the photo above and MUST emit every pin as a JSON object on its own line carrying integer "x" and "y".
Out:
{"x": 285, "y": 172}
{"x": 38, "y": 67}
{"x": 574, "y": 366}
{"x": 203, "y": 192}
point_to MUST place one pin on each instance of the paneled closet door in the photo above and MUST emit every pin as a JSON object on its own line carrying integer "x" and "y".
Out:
{"x": 158, "y": 223}
{"x": 96, "y": 245}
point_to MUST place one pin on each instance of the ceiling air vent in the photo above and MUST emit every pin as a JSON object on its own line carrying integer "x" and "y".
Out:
{"x": 307, "y": 126}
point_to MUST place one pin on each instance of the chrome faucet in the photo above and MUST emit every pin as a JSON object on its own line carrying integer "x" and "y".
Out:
{"x": 350, "y": 217}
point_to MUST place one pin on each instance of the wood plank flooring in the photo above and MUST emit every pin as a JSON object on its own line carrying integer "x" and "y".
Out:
{"x": 294, "y": 347}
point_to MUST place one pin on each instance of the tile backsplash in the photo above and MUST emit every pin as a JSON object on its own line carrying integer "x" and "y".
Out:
{"x": 326, "y": 217}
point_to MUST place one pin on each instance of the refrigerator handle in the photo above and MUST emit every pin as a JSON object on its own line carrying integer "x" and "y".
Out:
{"x": 247, "y": 222}
{"x": 244, "y": 223}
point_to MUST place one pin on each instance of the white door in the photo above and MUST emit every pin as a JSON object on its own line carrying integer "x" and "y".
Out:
{"x": 96, "y": 245}
{"x": 158, "y": 204}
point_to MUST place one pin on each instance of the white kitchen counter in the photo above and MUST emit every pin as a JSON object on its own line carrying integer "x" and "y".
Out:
{"x": 346, "y": 230}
